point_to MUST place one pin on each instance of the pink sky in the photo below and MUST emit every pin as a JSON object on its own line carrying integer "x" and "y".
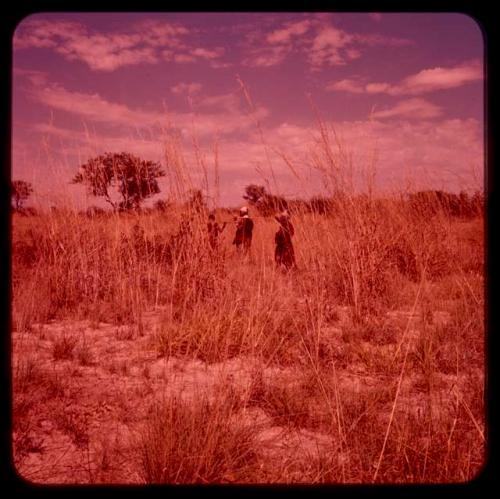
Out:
{"x": 405, "y": 89}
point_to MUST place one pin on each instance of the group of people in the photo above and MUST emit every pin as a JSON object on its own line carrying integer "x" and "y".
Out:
{"x": 284, "y": 254}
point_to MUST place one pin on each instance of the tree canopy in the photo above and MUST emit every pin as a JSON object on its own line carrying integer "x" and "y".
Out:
{"x": 266, "y": 203}
{"x": 134, "y": 179}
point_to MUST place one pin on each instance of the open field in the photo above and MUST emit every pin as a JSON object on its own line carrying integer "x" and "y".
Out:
{"x": 147, "y": 350}
{"x": 139, "y": 361}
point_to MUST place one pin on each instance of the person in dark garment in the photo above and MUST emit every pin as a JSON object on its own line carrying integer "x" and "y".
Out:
{"x": 214, "y": 229}
{"x": 244, "y": 231}
{"x": 284, "y": 254}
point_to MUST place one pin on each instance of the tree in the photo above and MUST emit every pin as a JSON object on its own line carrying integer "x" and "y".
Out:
{"x": 133, "y": 178}
{"x": 20, "y": 191}
{"x": 266, "y": 203}
{"x": 254, "y": 193}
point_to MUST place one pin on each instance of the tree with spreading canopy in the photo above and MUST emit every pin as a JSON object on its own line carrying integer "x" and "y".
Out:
{"x": 266, "y": 203}
{"x": 135, "y": 179}
{"x": 254, "y": 193}
{"x": 20, "y": 192}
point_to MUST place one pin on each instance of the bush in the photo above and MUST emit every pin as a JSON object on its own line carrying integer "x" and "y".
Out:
{"x": 196, "y": 442}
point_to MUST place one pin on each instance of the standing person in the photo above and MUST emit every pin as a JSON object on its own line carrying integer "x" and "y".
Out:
{"x": 284, "y": 253}
{"x": 181, "y": 242}
{"x": 214, "y": 229}
{"x": 244, "y": 231}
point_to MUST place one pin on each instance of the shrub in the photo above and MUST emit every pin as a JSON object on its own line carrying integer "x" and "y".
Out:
{"x": 195, "y": 442}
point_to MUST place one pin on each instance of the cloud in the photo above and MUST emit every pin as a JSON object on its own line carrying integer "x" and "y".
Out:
{"x": 45, "y": 34}
{"x": 376, "y": 88}
{"x": 444, "y": 154}
{"x": 220, "y": 65}
{"x": 326, "y": 47}
{"x": 186, "y": 88}
{"x": 35, "y": 77}
{"x": 439, "y": 78}
{"x": 285, "y": 34}
{"x": 447, "y": 154}
{"x": 183, "y": 58}
{"x": 204, "y": 53}
{"x": 335, "y": 47}
{"x": 414, "y": 109}
{"x": 425, "y": 81}
{"x": 347, "y": 85}
{"x": 267, "y": 56}
{"x": 51, "y": 129}
{"x": 82, "y": 144}
{"x": 228, "y": 101}
{"x": 160, "y": 33}
{"x": 439, "y": 154}
{"x": 320, "y": 42}
{"x": 99, "y": 57}
{"x": 147, "y": 42}
{"x": 219, "y": 113}
{"x": 94, "y": 107}
{"x": 373, "y": 40}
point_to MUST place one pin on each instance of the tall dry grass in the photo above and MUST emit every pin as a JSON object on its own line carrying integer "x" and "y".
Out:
{"x": 373, "y": 256}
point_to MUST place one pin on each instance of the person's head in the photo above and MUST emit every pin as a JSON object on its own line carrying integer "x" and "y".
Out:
{"x": 211, "y": 217}
{"x": 243, "y": 211}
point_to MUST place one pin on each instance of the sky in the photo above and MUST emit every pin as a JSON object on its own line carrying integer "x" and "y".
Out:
{"x": 239, "y": 99}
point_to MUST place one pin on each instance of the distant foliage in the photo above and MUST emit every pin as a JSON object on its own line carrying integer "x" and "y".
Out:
{"x": 161, "y": 205}
{"x": 20, "y": 192}
{"x": 321, "y": 205}
{"x": 428, "y": 203}
{"x": 422, "y": 203}
{"x": 266, "y": 203}
{"x": 135, "y": 179}
{"x": 196, "y": 202}
{"x": 254, "y": 193}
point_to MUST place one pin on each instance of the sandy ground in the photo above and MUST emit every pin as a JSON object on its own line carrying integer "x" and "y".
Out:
{"x": 82, "y": 416}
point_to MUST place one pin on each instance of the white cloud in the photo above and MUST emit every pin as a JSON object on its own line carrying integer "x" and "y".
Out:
{"x": 439, "y": 78}
{"x": 145, "y": 43}
{"x": 94, "y": 107}
{"x": 183, "y": 58}
{"x": 445, "y": 154}
{"x": 219, "y": 114}
{"x": 186, "y": 88}
{"x": 204, "y": 53}
{"x": 413, "y": 109}
{"x": 425, "y": 81}
{"x": 315, "y": 38}
{"x": 285, "y": 34}
{"x": 267, "y": 56}
{"x": 347, "y": 85}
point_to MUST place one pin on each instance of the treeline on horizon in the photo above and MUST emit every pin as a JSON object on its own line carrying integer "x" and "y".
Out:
{"x": 423, "y": 202}
{"x": 134, "y": 180}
